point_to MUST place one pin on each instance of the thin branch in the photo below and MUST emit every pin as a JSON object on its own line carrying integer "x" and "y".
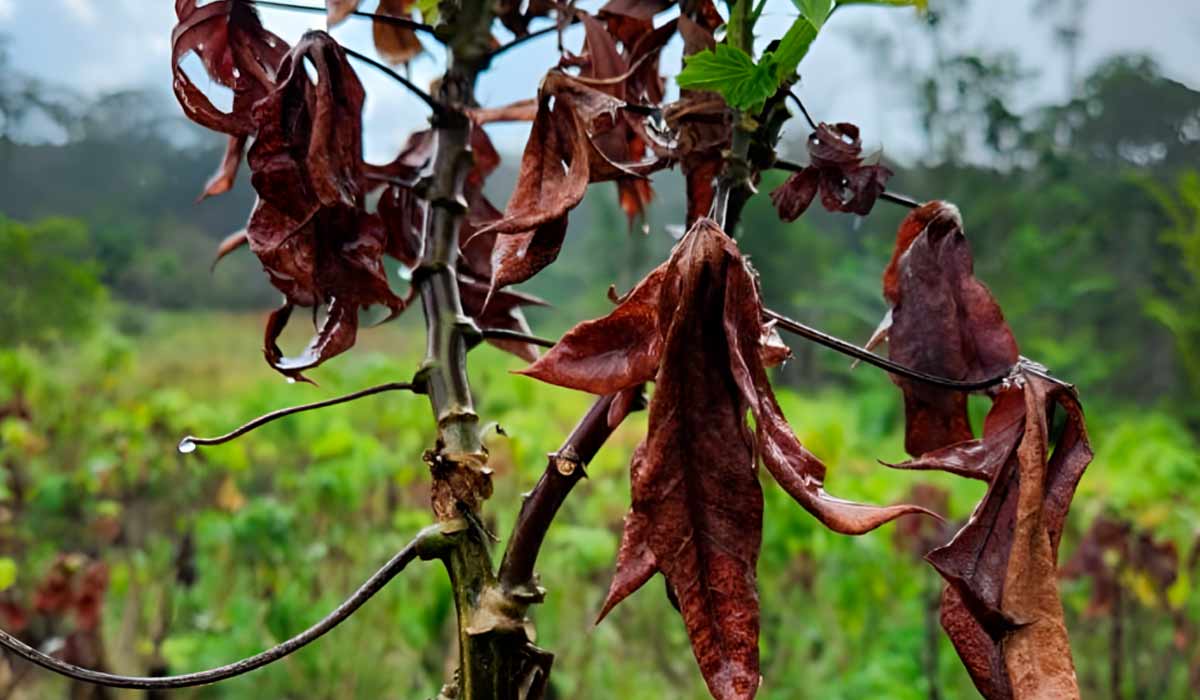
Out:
{"x": 504, "y": 334}
{"x": 365, "y": 592}
{"x": 803, "y": 110}
{"x": 531, "y": 35}
{"x": 564, "y": 469}
{"x": 439, "y": 110}
{"x": 385, "y": 19}
{"x": 901, "y": 199}
{"x": 189, "y": 443}
{"x": 848, "y": 348}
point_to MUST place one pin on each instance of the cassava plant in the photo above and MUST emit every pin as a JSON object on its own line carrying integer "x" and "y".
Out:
{"x": 694, "y": 328}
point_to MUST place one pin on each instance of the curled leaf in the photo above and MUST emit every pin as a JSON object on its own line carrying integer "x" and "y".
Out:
{"x": 695, "y": 325}
{"x": 836, "y": 170}
{"x": 396, "y": 44}
{"x": 944, "y": 322}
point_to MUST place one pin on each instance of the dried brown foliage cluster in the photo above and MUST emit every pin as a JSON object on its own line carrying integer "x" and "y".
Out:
{"x": 695, "y": 326}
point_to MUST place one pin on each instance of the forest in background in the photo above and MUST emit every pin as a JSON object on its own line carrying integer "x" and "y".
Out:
{"x": 116, "y": 339}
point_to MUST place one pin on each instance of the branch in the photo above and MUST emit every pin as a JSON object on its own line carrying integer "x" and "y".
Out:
{"x": 505, "y": 334}
{"x": 531, "y": 35}
{"x": 803, "y": 110}
{"x": 365, "y": 592}
{"x": 385, "y": 19}
{"x": 439, "y": 110}
{"x": 848, "y": 348}
{"x": 189, "y": 443}
{"x": 563, "y": 470}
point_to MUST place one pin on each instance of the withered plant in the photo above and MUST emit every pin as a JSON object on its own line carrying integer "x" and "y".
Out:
{"x": 326, "y": 223}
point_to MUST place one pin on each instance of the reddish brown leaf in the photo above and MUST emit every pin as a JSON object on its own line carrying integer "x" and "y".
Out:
{"x": 836, "y": 170}
{"x": 697, "y": 488}
{"x": 944, "y": 322}
{"x": 609, "y": 354}
{"x": 236, "y": 51}
{"x": 635, "y": 561}
{"x": 394, "y": 43}
{"x": 232, "y": 242}
{"x": 338, "y": 10}
{"x": 502, "y": 311}
{"x": 1002, "y": 564}
{"x": 309, "y": 228}
{"x": 695, "y": 325}
{"x": 222, "y": 180}
{"x": 791, "y": 199}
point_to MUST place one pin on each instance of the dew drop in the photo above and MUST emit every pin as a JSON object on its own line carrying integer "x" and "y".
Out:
{"x": 186, "y": 446}
{"x": 291, "y": 380}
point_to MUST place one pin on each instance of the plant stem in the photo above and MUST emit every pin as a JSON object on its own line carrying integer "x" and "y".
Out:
{"x": 497, "y": 660}
{"x": 564, "y": 469}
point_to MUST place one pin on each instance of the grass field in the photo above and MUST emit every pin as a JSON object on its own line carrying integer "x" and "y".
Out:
{"x": 288, "y": 520}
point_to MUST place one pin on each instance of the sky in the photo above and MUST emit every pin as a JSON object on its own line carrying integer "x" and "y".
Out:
{"x": 94, "y": 46}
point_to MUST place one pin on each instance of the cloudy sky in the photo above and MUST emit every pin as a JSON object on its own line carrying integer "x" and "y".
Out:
{"x": 100, "y": 45}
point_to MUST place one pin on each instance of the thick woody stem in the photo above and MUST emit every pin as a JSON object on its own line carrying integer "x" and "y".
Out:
{"x": 459, "y": 462}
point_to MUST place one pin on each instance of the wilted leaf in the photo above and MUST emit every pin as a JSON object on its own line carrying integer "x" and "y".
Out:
{"x": 236, "y": 52}
{"x": 338, "y": 10}
{"x": 394, "y": 43}
{"x": 695, "y": 325}
{"x": 309, "y": 228}
{"x": 1002, "y": 564}
{"x": 836, "y": 170}
{"x": 944, "y": 322}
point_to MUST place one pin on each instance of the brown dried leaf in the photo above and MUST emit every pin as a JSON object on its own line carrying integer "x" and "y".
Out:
{"x": 232, "y": 242}
{"x": 309, "y": 228}
{"x": 944, "y": 322}
{"x": 609, "y": 354}
{"x": 695, "y": 325}
{"x": 396, "y": 44}
{"x": 338, "y": 10}
{"x": 1002, "y": 564}
{"x": 222, "y": 180}
{"x": 836, "y": 170}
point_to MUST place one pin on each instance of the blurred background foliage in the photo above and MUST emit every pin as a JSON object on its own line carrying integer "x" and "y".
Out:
{"x": 116, "y": 340}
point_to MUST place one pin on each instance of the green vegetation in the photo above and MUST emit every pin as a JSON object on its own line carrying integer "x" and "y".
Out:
{"x": 286, "y": 521}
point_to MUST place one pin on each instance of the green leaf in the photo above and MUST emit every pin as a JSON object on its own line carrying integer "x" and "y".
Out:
{"x": 731, "y": 72}
{"x": 815, "y": 11}
{"x": 717, "y": 69}
{"x": 794, "y": 46}
{"x": 8, "y": 572}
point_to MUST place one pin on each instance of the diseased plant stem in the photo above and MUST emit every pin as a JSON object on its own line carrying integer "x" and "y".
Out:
{"x": 497, "y": 660}
{"x": 564, "y": 469}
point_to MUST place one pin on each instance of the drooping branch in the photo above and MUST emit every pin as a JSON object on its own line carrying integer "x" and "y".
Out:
{"x": 189, "y": 443}
{"x": 564, "y": 469}
{"x": 860, "y": 353}
{"x": 439, "y": 110}
{"x": 384, "y": 19}
{"x": 417, "y": 547}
